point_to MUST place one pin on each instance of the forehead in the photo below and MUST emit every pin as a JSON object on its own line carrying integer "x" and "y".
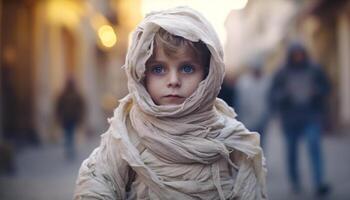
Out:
{"x": 181, "y": 52}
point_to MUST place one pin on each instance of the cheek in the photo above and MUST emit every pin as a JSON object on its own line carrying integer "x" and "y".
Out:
{"x": 194, "y": 83}
{"x": 151, "y": 85}
{"x": 148, "y": 83}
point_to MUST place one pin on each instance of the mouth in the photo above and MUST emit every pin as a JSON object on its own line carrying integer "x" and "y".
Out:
{"x": 173, "y": 99}
{"x": 173, "y": 96}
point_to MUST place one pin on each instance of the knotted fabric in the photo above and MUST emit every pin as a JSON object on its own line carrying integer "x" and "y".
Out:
{"x": 202, "y": 131}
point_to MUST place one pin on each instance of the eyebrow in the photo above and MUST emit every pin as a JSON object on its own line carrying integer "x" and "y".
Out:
{"x": 151, "y": 61}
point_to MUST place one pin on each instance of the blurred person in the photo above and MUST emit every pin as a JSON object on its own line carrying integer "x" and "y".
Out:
{"x": 9, "y": 133}
{"x": 298, "y": 94}
{"x": 227, "y": 93}
{"x": 7, "y": 159}
{"x": 252, "y": 90}
{"x": 9, "y": 97}
{"x": 171, "y": 137}
{"x": 70, "y": 109}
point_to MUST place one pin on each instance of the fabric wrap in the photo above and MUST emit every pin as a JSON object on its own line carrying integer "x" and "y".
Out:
{"x": 176, "y": 151}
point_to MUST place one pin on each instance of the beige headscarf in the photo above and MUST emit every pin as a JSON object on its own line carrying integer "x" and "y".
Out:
{"x": 202, "y": 130}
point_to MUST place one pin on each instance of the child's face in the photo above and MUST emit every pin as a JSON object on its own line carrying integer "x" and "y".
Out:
{"x": 171, "y": 79}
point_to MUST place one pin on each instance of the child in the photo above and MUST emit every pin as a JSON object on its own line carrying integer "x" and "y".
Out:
{"x": 171, "y": 138}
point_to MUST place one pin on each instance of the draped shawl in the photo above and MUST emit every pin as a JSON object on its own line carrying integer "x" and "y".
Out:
{"x": 202, "y": 131}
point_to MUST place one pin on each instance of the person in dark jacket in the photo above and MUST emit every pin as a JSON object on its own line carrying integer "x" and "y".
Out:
{"x": 298, "y": 94}
{"x": 70, "y": 109}
{"x": 227, "y": 93}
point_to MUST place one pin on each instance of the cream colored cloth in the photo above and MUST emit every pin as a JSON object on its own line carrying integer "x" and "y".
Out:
{"x": 196, "y": 150}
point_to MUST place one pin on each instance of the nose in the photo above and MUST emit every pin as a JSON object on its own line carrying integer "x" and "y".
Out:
{"x": 174, "y": 79}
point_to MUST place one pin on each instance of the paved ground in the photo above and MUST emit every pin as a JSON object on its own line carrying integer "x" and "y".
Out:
{"x": 44, "y": 174}
{"x": 336, "y": 149}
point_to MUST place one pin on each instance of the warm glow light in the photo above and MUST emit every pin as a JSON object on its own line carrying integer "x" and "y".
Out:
{"x": 107, "y": 36}
{"x": 98, "y": 20}
{"x": 63, "y": 12}
{"x": 215, "y": 11}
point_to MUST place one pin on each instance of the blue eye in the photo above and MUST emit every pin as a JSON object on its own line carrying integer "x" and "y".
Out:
{"x": 187, "y": 69}
{"x": 157, "y": 69}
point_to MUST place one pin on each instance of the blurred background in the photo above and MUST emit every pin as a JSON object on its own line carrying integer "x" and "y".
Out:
{"x": 61, "y": 78}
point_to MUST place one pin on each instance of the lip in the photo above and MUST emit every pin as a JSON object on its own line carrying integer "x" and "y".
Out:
{"x": 173, "y": 96}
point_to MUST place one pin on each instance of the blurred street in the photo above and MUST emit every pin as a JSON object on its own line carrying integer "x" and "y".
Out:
{"x": 49, "y": 47}
{"x": 43, "y": 173}
{"x": 336, "y": 159}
